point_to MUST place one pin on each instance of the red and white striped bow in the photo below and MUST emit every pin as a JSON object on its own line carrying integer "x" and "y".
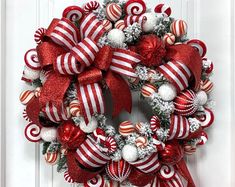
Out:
{"x": 122, "y": 62}
{"x": 177, "y": 73}
{"x": 91, "y": 99}
{"x": 82, "y": 53}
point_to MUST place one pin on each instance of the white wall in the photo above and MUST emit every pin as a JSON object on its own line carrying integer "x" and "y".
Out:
{"x": 208, "y": 20}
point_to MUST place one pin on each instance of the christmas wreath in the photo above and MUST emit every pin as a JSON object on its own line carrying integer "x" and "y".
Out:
{"x": 120, "y": 48}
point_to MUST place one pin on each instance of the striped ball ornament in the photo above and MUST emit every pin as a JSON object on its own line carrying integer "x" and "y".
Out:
{"x": 186, "y": 103}
{"x": 169, "y": 39}
{"x": 107, "y": 25}
{"x": 151, "y": 73}
{"x": 52, "y": 158}
{"x": 148, "y": 89}
{"x": 113, "y": 12}
{"x": 90, "y": 6}
{"x": 75, "y": 108}
{"x": 118, "y": 171}
{"x": 207, "y": 86}
{"x": 179, "y": 28}
{"x": 26, "y": 97}
{"x": 120, "y": 25}
{"x": 126, "y": 128}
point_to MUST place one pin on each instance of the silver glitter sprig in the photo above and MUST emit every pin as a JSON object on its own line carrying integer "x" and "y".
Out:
{"x": 142, "y": 72}
{"x": 132, "y": 32}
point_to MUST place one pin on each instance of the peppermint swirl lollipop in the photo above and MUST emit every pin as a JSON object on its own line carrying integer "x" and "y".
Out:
{"x": 98, "y": 181}
{"x": 73, "y": 13}
{"x": 167, "y": 172}
{"x": 31, "y": 59}
{"x": 135, "y": 7}
{"x": 32, "y": 132}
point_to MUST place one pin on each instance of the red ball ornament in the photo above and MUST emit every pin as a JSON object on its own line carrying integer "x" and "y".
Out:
{"x": 118, "y": 171}
{"x": 70, "y": 135}
{"x": 186, "y": 103}
{"x": 152, "y": 49}
{"x": 172, "y": 153}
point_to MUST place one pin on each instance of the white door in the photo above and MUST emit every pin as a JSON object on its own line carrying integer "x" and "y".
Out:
{"x": 21, "y": 162}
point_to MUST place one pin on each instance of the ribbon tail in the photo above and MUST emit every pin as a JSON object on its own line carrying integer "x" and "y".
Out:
{"x": 183, "y": 170}
{"x": 54, "y": 90}
{"x": 120, "y": 92}
{"x": 33, "y": 110}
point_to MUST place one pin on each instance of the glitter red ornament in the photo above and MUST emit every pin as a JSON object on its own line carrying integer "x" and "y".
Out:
{"x": 152, "y": 49}
{"x": 70, "y": 135}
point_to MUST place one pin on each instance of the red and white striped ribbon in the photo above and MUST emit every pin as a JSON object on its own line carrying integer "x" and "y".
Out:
{"x": 91, "y": 99}
{"x": 179, "y": 127}
{"x": 129, "y": 20}
{"x": 90, "y": 156}
{"x": 150, "y": 164}
{"x": 52, "y": 113}
{"x": 155, "y": 183}
{"x": 85, "y": 51}
{"x": 66, "y": 64}
{"x": 123, "y": 60}
{"x": 175, "y": 181}
{"x": 177, "y": 73}
{"x": 91, "y": 27}
{"x": 65, "y": 33}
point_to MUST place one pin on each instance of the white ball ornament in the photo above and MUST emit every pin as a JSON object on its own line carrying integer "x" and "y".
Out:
{"x": 151, "y": 21}
{"x": 129, "y": 153}
{"x": 202, "y": 97}
{"x": 167, "y": 92}
{"x": 90, "y": 127}
{"x": 48, "y": 134}
{"x": 31, "y": 74}
{"x": 116, "y": 37}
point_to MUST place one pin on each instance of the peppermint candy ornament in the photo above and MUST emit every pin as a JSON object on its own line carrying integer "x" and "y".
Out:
{"x": 111, "y": 144}
{"x": 179, "y": 28}
{"x": 199, "y": 45}
{"x": 118, "y": 171}
{"x": 97, "y": 181}
{"x": 68, "y": 178}
{"x": 135, "y": 7}
{"x": 73, "y": 13}
{"x": 26, "y": 96}
{"x": 169, "y": 39}
{"x": 107, "y": 25}
{"x": 90, "y": 6}
{"x": 126, "y": 128}
{"x": 166, "y": 172}
{"x": 52, "y": 158}
{"x": 75, "y": 108}
{"x": 32, "y": 132}
{"x": 148, "y": 89}
{"x": 113, "y": 12}
{"x": 155, "y": 123}
{"x": 39, "y": 35}
{"x": 163, "y": 9}
{"x": 186, "y": 103}
{"x": 31, "y": 60}
{"x": 99, "y": 136}
{"x": 141, "y": 142}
